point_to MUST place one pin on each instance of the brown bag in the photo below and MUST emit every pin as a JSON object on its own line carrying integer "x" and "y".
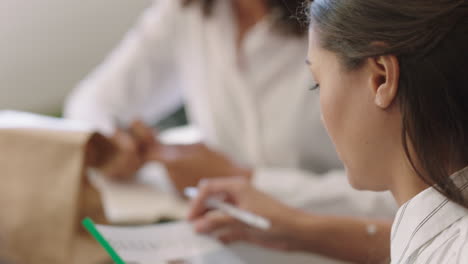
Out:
{"x": 44, "y": 196}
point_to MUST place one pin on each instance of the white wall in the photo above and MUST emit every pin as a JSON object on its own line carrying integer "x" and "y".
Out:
{"x": 47, "y": 46}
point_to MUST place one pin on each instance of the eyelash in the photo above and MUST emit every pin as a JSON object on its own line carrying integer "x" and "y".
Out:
{"x": 315, "y": 87}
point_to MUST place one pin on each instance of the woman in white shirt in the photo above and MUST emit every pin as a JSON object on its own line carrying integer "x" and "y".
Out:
{"x": 393, "y": 92}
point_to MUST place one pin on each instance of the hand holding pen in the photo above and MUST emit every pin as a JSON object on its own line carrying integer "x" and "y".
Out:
{"x": 245, "y": 217}
{"x": 231, "y": 209}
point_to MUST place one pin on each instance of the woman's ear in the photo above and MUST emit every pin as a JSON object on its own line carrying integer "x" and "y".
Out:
{"x": 385, "y": 74}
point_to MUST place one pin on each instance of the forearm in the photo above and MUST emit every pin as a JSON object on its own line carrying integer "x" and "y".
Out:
{"x": 350, "y": 239}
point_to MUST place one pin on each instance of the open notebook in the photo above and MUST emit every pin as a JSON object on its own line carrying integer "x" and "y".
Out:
{"x": 144, "y": 200}
{"x": 173, "y": 243}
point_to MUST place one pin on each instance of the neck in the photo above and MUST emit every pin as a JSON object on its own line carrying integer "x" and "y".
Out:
{"x": 253, "y": 9}
{"x": 249, "y": 12}
{"x": 406, "y": 183}
{"x": 405, "y": 190}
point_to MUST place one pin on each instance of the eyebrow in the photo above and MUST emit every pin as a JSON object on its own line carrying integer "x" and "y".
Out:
{"x": 307, "y": 61}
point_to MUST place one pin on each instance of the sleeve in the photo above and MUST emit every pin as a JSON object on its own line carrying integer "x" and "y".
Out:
{"x": 138, "y": 79}
{"x": 328, "y": 193}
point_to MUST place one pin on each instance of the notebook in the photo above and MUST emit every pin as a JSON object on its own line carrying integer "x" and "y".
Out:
{"x": 171, "y": 243}
{"x": 142, "y": 201}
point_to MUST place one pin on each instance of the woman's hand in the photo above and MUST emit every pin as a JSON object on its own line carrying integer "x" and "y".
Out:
{"x": 239, "y": 192}
{"x": 131, "y": 148}
{"x": 185, "y": 164}
{"x": 188, "y": 164}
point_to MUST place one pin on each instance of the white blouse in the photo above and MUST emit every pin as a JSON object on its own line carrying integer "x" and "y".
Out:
{"x": 255, "y": 107}
{"x": 430, "y": 229}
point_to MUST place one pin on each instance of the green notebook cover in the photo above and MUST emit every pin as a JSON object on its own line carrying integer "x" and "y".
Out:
{"x": 89, "y": 225}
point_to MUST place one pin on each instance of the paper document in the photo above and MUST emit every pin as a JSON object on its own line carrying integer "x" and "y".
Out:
{"x": 166, "y": 243}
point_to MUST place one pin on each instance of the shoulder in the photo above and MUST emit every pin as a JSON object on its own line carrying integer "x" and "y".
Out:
{"x": 449, "y": 246}
{"x": 168, "y": 10}
{"x": 166, "y": 15}
{"x": 461, "y": 247}
{"x": 453, "y": 242}
{"x": 164, "y": 8}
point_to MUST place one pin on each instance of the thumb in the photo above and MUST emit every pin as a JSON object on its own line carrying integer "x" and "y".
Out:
{"x": 143, "y": 134}
{"x": 231, "y": 187}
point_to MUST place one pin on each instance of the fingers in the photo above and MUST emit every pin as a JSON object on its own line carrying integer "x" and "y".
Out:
{"x": 132, "y": 146}
{"x": 228, "y": 230}
{"x": 213, "y": 221}
{"x": 143, "y": 136}
{"x": 232, "y": 235}
{"x": 142, "y": 132}
{"x": 125, "y": 161}
{"x": 231, "y": 187}
{"x": 225, "y": 228}
{"x": 124, "y": 141}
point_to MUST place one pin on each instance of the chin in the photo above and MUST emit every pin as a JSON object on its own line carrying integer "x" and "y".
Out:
{"x": 357, "y": 184}
{"x": 364, "y": 184}
{"x": 358, "y": 181}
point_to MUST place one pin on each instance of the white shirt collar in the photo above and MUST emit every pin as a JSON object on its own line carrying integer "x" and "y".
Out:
{"x": 424, "y": 217}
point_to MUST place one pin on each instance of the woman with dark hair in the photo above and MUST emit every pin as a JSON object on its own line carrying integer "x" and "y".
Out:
{"x": 393, "y": 93}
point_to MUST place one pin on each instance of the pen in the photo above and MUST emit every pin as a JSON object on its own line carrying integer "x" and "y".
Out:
{"x": 239, "y": 214}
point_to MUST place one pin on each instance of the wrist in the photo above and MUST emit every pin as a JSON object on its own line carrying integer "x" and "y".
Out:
{"x": 313, "y": 233}
{"x": 246, "y": 172}
{"x": 309, "y": 231}
{"x": 296, "y": 227}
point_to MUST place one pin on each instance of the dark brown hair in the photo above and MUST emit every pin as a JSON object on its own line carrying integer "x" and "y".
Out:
{"x": 430, "y": 40}
{"x": 289, "y": 18}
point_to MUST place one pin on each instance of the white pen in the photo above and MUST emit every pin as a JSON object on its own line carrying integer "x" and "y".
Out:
{"x": 239, "y": 214}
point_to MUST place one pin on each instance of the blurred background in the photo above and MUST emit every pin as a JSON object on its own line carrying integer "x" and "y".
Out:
{"x": 48, "y": 46}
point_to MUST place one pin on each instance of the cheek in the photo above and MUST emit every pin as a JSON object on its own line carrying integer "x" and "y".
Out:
{"x": 344, "y": 108}
{"x": 333, "y": 109}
